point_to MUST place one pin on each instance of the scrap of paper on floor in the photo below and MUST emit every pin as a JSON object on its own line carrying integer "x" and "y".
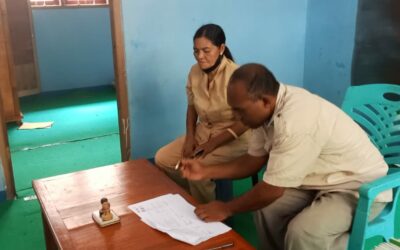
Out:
{"x": 35, "y": 125}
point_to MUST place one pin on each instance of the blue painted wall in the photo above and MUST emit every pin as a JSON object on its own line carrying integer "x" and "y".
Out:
{"x": 329, "y": 47}
{"x": 158, "y": 46}
{"x": 2, "y": 183}
{"x": 296, "y": 41}
{"x": 74, "y": 47}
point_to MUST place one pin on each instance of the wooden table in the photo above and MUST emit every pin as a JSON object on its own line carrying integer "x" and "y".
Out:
{"x": 68, "y": 200}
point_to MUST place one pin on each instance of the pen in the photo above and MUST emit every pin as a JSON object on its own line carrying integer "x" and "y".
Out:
{"x": 196, "y": 154}
{"x": 230, "y": 244}
{"x": 177, "y": 165}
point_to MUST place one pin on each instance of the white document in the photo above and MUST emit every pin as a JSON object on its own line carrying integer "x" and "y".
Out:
{"x": 173, "y": 215}
{"x": 386, "y": 246}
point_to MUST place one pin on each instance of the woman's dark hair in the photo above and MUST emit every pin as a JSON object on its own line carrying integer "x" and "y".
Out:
{"x": 215, "y": 34}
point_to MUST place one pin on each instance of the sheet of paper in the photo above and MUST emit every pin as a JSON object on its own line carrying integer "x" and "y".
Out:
{"x": 173, "y": 215}
{"x": 386, "y": 246}
{"x": 35, "y": 125}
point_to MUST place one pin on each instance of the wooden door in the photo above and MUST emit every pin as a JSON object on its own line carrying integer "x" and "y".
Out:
{"x": 22, "y": 46}
{"x": 10, "y": 103}
{"x": 120, "y": 77}
{"x": 5, "y": 158}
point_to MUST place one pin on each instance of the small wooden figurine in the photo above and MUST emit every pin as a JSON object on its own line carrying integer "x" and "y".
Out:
{"x": 105, "y": 211}
{"x": 105, "y": 216}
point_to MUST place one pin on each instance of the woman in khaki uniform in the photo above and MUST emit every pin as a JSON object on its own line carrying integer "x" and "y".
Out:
{"x": 212, "y": 133}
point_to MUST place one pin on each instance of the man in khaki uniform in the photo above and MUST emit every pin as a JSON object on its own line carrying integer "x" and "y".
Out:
{"x": 317, "y": 157}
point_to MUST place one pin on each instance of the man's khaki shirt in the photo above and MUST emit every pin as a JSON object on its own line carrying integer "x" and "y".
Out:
{"x": 312, "y": 144}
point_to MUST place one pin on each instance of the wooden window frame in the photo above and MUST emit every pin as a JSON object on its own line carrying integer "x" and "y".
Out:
{"x": 45, "y": 3}
{"x": 67, "y": 3}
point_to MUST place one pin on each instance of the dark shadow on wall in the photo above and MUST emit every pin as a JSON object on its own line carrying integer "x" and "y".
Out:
{"x": 376, "y": 56}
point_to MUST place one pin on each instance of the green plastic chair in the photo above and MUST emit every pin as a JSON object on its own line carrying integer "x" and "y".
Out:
{"x": 376, "y": 108}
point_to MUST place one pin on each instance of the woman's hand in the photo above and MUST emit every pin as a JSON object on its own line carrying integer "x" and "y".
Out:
{"x": 213, "y": 211}
{"x": 205, "y": 148}
{"x": 188, "y": 147}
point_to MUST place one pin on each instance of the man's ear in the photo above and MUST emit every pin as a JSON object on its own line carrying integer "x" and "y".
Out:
{"x": 269, "y": 102}
{"x": 266, "y": 99}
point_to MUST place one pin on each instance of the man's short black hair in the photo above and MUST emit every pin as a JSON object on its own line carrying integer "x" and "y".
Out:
{"x": 258, "y": 80}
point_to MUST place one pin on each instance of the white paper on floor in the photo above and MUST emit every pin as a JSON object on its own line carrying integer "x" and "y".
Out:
{"x": 35, "y": 125}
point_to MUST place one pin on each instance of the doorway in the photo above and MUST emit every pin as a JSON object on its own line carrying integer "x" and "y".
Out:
{"x": 121, "y": 105}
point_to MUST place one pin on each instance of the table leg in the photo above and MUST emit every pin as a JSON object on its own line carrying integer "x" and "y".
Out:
{"x": 48, "y": 235}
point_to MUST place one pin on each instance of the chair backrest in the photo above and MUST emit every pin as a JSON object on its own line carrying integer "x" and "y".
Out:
{"x": 376, "y": 108}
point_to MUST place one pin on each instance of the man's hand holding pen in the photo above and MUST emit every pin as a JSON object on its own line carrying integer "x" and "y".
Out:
{"x": 192, "y": 169}
{"x": 196, "y": 154}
